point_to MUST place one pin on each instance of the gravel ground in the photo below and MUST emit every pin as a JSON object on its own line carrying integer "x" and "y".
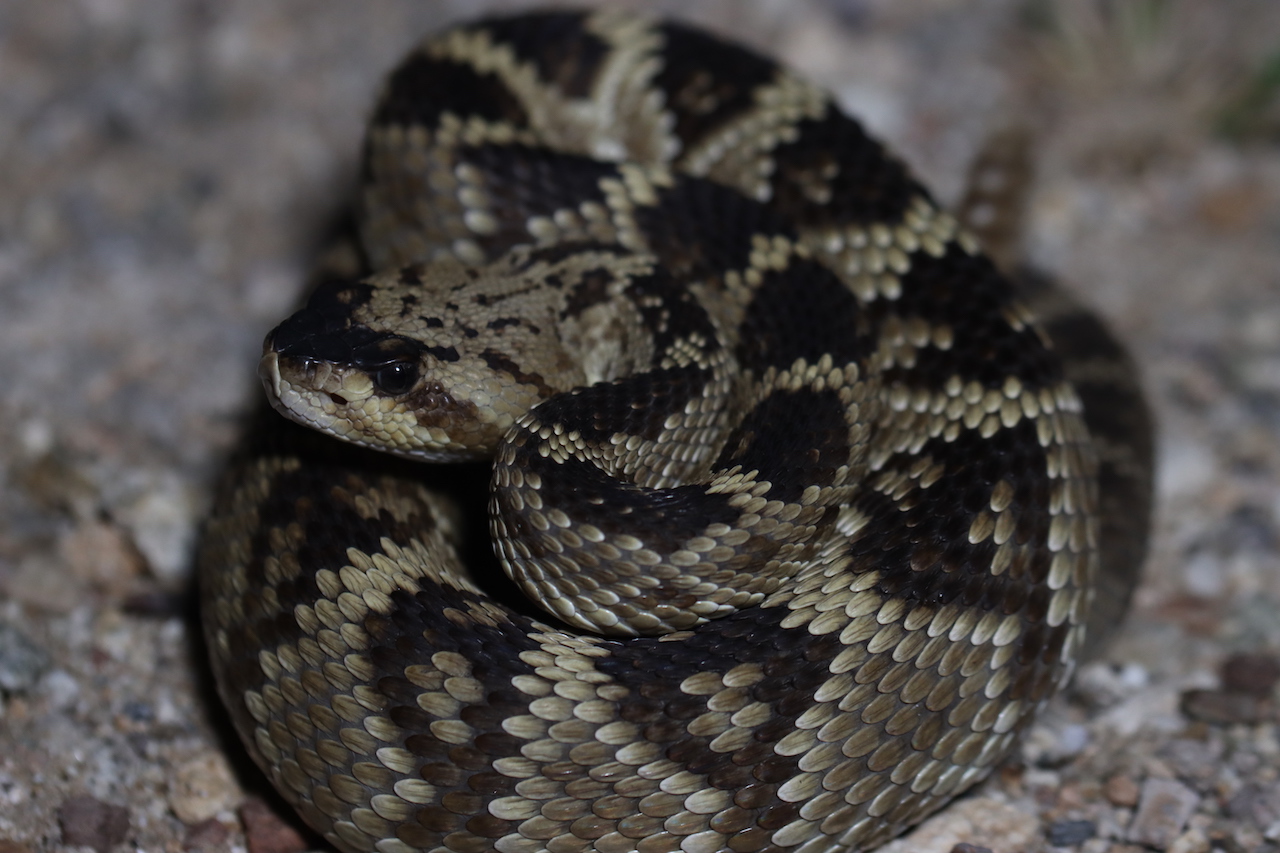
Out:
{"x": 166, "y": 170}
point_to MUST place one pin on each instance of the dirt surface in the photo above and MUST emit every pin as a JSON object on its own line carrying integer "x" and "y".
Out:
{"x": 166, "y": 171}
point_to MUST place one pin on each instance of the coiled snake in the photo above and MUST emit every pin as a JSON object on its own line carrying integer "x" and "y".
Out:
{"x": 804, "y": 492}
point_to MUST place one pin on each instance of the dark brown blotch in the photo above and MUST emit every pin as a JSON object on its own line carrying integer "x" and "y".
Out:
{"x": 502, "y": 363}
{"x": 558, "y": 45}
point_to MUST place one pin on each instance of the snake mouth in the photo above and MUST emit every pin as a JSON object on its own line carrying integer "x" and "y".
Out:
{"x": 330, "y": 398}
{"x": 269, "y": 373}
{"x": 281, "y": 393}
{"x": 284, "y": 376}
{"x": 296, "y": 388}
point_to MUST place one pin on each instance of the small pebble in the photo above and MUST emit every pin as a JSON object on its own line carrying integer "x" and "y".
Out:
{"x": 1245, "y": 696}
{"x": 167, "y": 711}
{"x": 208, "y": 834}
{"x": 88, "y": 822}
{"x": 1221, "y": 707}
{"x": 1134, "y": 676}
{"x": 154, "y": 604}
{"x": 1255, "y": 674}
{"x": 42, "y": 583}
{"x": 162, "y": 522}
{"x": 1247, "y": 838}
{"x": 61, "y": 688}
{"x": 139, "y": 712}
{"x": 1192, "y": 841}
{"x": 54, "y": 481}
{"x": 1121, "y": 790}
{"x": 102, "y": 554}
{"x": 1256, "y": 804}
{"x": 1072, "y": 740}
{"x": 1163, "y": 810}
{"x": 1192, "y": 758}
{"x": 22, "y": 662}
{"x": 1068, "y": 833}
{"x": 265, "y": 832}
{"x": 203, "y": 786}
{"x": 1071, "y": 797}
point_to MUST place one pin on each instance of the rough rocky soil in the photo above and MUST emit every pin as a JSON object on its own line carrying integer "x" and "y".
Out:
{"x": 166, "y": 170}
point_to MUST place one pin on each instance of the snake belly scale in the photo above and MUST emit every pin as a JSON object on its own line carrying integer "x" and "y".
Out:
{"x": 805, "y": 497}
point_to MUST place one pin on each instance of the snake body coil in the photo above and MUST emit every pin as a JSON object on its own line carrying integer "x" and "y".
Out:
{"x": 808, "y": 500}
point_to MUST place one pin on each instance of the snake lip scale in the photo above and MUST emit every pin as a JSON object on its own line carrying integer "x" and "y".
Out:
{"x": 801, "y": 510}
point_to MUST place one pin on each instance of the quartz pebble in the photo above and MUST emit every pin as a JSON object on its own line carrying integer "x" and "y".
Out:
{"x": 1163, "y": 810}
{"x": 202, "y": 787}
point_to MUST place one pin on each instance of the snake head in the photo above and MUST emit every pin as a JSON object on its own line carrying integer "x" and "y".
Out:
{"x": 372, "y": 363}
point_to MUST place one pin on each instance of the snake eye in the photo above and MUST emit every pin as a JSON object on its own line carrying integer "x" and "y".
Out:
{"x": 396, "y": 378}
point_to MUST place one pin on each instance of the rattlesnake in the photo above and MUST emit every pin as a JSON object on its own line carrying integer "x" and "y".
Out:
{"x": 806, "y": 494}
